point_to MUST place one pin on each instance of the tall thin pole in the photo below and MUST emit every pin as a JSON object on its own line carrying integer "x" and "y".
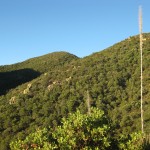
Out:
{"x": 88, "y": 103}
{"x": 141, "y": 52}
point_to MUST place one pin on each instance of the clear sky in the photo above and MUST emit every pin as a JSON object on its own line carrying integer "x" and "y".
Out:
{"x": 30, "y": 28}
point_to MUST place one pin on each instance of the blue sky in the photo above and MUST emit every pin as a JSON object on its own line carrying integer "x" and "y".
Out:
{"x": 30, "y": 28}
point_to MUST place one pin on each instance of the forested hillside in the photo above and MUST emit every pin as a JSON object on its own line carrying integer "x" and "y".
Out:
{"x": 47, "y": 88}
{"x": 17, "y": 74}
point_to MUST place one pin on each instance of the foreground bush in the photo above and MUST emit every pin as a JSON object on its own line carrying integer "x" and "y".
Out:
{"x": 80, "y": 131}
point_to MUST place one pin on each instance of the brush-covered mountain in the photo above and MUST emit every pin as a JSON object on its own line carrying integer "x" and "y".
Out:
{"x": 40, "y": 91}
{"x": 13, "y": 75}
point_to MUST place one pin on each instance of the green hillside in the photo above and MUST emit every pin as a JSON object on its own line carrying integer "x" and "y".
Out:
{"x": 111, "y": 76}
{"x": 13, "y": 75}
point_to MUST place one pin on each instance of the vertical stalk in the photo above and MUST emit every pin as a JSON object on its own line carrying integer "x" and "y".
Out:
{"x": 141, "y": 54}
{"x": 88, "y": 103}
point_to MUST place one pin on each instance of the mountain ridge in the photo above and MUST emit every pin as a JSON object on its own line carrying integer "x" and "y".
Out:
{"x": 27, "y": 63}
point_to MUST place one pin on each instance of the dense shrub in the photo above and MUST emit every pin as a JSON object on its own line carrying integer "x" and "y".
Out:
{"x": 80, "y": 131}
